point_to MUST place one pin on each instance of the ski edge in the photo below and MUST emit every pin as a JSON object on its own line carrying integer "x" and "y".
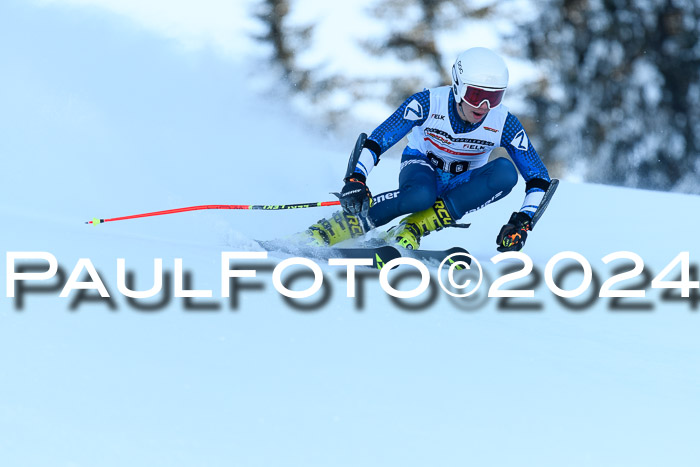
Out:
{"x": 380, "y": 255}
{"x": 438, "y": 256}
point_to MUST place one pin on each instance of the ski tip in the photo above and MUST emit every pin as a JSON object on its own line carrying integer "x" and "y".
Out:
{"x": 460, "y": 255}
{"x": 384, "y": 254}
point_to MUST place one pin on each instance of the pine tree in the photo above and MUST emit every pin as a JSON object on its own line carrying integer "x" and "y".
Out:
{"x": 413, "y": 30}
{"x": 284, "y": 41}
{"x": 414, "y": 33}
{"x": 619, "y": 103}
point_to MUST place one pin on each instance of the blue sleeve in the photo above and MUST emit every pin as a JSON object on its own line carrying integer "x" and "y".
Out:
{"x": 413, "y": 112}
{"x": 516, "y": 142}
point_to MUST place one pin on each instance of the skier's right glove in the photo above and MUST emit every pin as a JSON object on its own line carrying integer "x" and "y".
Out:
{"x": 355, "y": 197}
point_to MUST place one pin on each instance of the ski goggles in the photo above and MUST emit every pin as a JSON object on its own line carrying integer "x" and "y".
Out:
{"x": 475, "y": 96}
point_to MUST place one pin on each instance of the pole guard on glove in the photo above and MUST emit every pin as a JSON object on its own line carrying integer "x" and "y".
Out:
{"x": 355, "y": 197}
{"x": 513, "y": 235}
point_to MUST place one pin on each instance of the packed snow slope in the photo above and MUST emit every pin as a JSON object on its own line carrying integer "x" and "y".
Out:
{"x": 101, "y": 120}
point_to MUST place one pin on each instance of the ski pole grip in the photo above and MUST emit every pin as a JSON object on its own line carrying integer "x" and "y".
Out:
{"x": 355, "y": 155}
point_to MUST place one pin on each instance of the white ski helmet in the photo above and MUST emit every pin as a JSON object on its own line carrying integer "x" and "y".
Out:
{"x": 479, "y": 75}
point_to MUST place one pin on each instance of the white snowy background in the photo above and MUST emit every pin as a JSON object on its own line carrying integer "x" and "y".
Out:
{"x": 114, "y": 108}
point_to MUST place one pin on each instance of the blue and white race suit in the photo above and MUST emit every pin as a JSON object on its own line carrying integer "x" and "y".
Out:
{"x": 448, "y": 158}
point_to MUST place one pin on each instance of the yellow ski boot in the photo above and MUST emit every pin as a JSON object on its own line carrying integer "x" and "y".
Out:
{"x": 337, "y": 228}
{"x": 409, "y": 232}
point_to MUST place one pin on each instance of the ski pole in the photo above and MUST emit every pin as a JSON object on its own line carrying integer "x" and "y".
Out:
{"x": 265, "y": 207}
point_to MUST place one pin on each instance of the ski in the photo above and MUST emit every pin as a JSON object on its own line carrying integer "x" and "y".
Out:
{"x": 380, "y": 254}
{"x": 427, "y": 256}
{"x": 437, "y": 256}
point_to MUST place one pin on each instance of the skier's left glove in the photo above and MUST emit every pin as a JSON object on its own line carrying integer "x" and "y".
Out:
{"x": 513, "y": 235}
{"x": 355, "y": 197}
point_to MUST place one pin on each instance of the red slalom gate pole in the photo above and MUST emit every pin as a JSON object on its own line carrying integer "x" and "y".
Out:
{"x": 264, "y": 207}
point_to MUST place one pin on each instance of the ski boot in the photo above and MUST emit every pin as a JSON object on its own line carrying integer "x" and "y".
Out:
{"x": 410, "y": 230}
{"x": 339, "y": 227}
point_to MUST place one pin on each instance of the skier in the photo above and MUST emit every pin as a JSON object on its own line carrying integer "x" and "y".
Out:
{"x": 445, "y": 170}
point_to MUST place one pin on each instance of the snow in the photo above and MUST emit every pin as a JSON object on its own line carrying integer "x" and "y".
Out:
{"x": 103, "y": 120}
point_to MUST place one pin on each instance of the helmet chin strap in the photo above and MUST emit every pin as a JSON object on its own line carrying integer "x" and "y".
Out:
{"x": 460, "y": 112}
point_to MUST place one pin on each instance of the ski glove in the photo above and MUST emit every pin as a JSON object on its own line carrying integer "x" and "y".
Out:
{"x": 513, "y": 235}
{"x": 355, "y": 197}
